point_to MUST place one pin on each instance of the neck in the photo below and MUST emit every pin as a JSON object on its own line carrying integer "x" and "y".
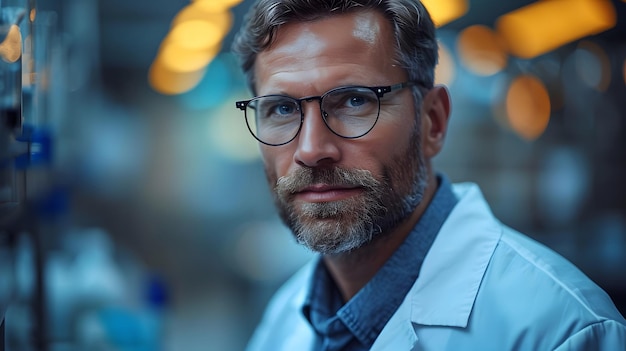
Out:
{"x": 352, "y": 270}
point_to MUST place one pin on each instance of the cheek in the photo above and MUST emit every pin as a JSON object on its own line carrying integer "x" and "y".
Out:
{"x": 276, "y": 161}
{"x": 386, "y": 148}
{"x": 369, "y": 154}
{"x": 396, "y": 122}
{"x": 391, "y": 138}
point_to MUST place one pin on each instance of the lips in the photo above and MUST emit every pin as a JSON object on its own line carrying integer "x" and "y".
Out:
{"x": 326, "y": 192}
{"x": 324, "y": 185}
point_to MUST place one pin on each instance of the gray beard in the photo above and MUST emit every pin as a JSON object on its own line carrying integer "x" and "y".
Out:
{"x": 345, "y": 225}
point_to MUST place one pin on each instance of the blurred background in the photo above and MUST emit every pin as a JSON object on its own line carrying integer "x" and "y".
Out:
{"x": 134, "y": 211}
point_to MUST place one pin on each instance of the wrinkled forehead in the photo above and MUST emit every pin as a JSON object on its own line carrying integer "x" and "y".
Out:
{"x": 364, "y": 25}
{"x": 357, "y": 38}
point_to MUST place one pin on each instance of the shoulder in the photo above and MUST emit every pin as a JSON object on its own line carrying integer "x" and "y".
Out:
{"x": 537, "y": 267}
{"x": 606, "y": 335}
{"x": 523, "y": 270}
{"x": 524, "y": 288}
{"x": 532, "y": 290}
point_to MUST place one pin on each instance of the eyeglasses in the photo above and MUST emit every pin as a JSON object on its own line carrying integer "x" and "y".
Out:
{"x": 349, "y": 112}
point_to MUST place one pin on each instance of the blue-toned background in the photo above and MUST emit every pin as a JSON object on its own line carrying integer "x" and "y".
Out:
{"x": 151, "y": 226}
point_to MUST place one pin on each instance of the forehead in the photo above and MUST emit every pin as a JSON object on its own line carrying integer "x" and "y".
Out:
{"x": 348, "y": 46}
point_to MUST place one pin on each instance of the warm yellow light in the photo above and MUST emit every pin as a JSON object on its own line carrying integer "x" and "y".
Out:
{"x": 528, "y": 107}
{"x": 445, "y": 11}
{"x": 196, "y": 35}
{"x": 193, "y": 41}
{"x": 194, "y": 12}
{"x": 11, "y": 46}
{"x": 216, "y": 6}
{"x": 180, "y": 59}
{"x": 168, "y": 82}
{"x": 547, "y": 24}
{"x": 480, "y": 50}
{"x": 444, "y": 72}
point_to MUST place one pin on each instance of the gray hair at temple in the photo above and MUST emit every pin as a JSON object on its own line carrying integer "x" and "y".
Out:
{"x": 414, "y": 31}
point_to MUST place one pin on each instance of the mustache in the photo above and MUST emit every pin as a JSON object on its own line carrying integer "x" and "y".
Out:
{"x": 303, "y": 177}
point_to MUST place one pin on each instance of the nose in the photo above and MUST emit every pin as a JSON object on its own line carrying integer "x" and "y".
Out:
{"x": 316, "y": 144}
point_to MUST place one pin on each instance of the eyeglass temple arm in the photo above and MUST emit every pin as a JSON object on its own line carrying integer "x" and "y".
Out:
{"x": 381, "y": 91}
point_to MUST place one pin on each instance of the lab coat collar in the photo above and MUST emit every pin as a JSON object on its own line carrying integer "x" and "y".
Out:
{"x": 449, "y": 279}
{"x": 451, "y": 274}
{"x": 453, "y": 269}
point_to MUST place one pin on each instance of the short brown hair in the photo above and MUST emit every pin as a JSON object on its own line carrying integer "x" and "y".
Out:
{"x": 414, "y": 31}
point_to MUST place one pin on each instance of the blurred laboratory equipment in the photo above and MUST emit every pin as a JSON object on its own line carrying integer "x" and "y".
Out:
{"x": 11, "y": 26}
{"x": 63, "y": 286}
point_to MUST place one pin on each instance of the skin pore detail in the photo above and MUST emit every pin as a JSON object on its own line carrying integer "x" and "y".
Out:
{"x": 366, "y": 29}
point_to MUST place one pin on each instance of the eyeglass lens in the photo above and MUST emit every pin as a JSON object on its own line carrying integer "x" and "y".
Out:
{"x": 349, "y": 112}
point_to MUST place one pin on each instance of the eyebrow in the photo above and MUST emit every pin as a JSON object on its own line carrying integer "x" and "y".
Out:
{"x": 284, "y": 93}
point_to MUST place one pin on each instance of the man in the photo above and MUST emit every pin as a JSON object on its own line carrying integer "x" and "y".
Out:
{"x": 348, "y": 120}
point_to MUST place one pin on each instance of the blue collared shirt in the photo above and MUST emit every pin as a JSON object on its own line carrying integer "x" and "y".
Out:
{"x": 356, "y": 324}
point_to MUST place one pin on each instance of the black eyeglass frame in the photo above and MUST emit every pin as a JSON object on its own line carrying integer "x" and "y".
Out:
{"x": 380, "y": 91}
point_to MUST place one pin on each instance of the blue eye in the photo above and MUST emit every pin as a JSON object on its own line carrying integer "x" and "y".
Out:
{"x": 285, "y": 109}
{"x": 276, "y": 107}
{"x": 356, "y": 101}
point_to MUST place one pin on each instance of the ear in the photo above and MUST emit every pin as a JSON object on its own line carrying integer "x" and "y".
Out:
{"x": 435, "y": 115}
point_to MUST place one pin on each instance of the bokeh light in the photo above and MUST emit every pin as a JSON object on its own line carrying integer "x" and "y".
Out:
{"x": 563, "y": 183}
{"x": 193, "y": 12}
{"x": 166, "y": 81}
{"x": 545, "y": 25}
{"x": 445, "y": 11}
{"x": 177, "y": 69}
{"x": 195, "y": 38}
{"x": 480, "y": 50}
{"x": 592, "y": 65}
{"x": 180, "y": 59}
{"x": 528, "y": 107}
{"x": 11, "y": 46}
{"x": 196, "y": 34}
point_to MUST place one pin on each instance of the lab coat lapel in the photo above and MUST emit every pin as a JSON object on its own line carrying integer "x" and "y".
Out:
{"x": 451, "y": 274}
{"x": 454, "y": 267}
{"x": 446, "y": 288}
{"x": 398, "y": 333}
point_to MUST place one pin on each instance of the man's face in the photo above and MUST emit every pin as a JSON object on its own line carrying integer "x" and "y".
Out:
{"x": 337, "y": 194}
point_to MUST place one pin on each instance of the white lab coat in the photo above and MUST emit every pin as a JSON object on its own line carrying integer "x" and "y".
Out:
{"x": 482, "y": 286}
